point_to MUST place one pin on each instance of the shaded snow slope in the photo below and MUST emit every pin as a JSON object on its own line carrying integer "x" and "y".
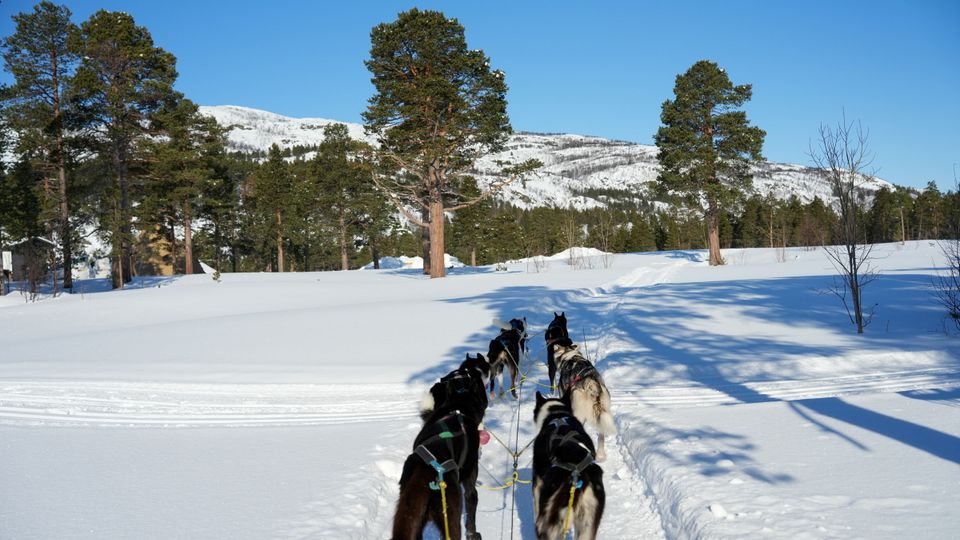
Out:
{"x": 579, "y": 171}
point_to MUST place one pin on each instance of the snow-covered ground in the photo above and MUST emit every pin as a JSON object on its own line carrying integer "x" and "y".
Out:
{"x": 282, "y": 405}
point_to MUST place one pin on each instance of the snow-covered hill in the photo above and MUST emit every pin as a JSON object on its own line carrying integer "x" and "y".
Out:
{"x": 579, "y": 171}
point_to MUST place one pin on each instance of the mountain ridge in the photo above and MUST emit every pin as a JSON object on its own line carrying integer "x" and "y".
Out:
{"x": 576, "y": 167}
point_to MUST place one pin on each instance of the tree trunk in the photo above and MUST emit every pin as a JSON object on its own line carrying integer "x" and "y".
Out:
{"x": 344, "y": 258}
{"x": 713, "y": 220}
{"x": 437, "y": 269}
{"x": 374, "y": 254}
{"x": 425, "y": 240}
{"x": 124, "y": 229}
{"x": 64, "y": 209}
{"x": 903, "y": 230}
{"x": 216, "y": 242}
{"x": 771, "y": 226}
{"x": 187, "y": 241}
{"x": 116, "y": 253}
{"x": 279, "y": 241}
{"x": 473, "y": 256}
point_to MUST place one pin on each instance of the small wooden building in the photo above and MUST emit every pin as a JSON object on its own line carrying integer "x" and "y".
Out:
{"x": 30, "y": 258}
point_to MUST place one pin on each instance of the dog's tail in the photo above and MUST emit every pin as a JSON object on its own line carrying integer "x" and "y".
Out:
{"x": 588, "y": 506}
{"x": 601, "y": 411}
{"x": 427, "y": 404}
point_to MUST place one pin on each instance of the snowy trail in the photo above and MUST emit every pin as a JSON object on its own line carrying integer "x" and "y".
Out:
{"x": 200, "y": 405}
{"x": 787, "y": 390}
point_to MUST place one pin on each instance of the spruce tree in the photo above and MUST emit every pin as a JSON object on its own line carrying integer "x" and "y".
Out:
{"x": 706, "y": 144}
{"x": 41, "y": 55}
{"x": 438, "y": 107}
{"x": 122, "y": 79}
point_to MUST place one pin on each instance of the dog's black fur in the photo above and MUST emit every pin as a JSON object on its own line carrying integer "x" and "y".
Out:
{"x": 562, "y": 444}
{"x": 556, "y": 330}
{"x": 505, "y": 350}
{"x": 457, "y": 404}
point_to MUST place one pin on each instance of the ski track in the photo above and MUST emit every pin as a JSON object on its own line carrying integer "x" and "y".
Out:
{"x": 632, "y": 508}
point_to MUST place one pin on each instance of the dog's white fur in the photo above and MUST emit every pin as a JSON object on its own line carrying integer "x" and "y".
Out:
{"x": 545, "y": 412}
{"x": 427, "y": 403}
{"x": 583, "y": 514}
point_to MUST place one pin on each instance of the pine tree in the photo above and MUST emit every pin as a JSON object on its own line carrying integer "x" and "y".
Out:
{"x": 926, "y": 212}
{"x": 122, "y": 79}
{"x": 41, "y": 55}
{"x": 184, "y": 159}
{"x": 706, "y": 144}
{"x": 473, "y": 227}
{"x": 274, "y": 196}
{"x": 438, "y": 107}
{"x": 340, "y": 182}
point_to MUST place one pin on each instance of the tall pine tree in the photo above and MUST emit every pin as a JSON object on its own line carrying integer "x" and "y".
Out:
{"x": 122, "y": 79}
{"x": 706, "y": 144}
{"x": 438, "y": 107}
{"x": 41, "y": 55}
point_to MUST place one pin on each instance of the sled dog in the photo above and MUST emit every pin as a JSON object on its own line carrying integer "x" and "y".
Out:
{"x": 563, "y": 459}
{"x": 505, "y": 351}
{"x": 582, "y": 385}
{"x": 556, "y": 330}
{"x": 445, "y": 455}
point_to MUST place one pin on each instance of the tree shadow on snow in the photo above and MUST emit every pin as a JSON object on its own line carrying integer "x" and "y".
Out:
{"x": 681, "y": 331}
{"x": 931, "y": 441}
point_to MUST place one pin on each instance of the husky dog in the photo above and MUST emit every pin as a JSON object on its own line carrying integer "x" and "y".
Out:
{"x": 581, "y": 383}
{"x": 563, "y": 458}
{"x": 556, "y": 330}
{"x": 446, "y": 449}
{"x": 505, "y": 350}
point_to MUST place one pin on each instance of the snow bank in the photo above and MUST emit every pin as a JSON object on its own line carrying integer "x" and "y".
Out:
{"x": 390, "y": 263}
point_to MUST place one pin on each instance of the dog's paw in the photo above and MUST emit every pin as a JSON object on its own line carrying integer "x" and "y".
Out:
{"x": 473, "y": 536}
{"x": 601, "y": 456}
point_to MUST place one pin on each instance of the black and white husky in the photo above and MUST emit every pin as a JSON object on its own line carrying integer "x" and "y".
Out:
{"x": 581, "y": 383}
{"x": 505, "y": 351}
{"x": 446, "y": 448}
{"x": 556, "y": 330}
{"x": 563, "y": 458}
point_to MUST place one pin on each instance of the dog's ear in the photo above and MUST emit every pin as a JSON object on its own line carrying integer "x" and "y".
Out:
{"x": 540, "y": 398}
{"x": 563, "y": 314}
{"x": 555, "y": 314}
{"x": 480, "y": 357}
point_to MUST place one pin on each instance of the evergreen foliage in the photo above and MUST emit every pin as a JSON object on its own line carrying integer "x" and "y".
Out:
{"x": 438, "y": 107}
{"x": 706, "y": 144}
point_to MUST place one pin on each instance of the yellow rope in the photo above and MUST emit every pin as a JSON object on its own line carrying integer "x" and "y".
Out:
{"x": 514, "y": 480}
{"x": 568, "y": 519}
{"x": 443, "y": 499}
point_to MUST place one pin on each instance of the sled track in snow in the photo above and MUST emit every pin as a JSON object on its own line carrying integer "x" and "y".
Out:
{"x": 727, "y": 393}
{"x": 200, "y": 405}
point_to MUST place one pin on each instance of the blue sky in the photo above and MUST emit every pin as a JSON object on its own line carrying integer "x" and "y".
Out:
{"x": 601, "y": 68}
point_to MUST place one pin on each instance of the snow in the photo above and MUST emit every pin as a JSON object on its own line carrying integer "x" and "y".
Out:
{"x": 283, "y": 405}
{"x": 393, "y": 263}
{"x": 572, "y": 164}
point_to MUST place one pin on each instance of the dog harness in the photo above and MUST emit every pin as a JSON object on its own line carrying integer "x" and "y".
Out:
{"x": 573, "y": 371}
{"x": 557, "y": 440}
{"x": 448, "y": 430}
{"x": 457, "y": 382}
